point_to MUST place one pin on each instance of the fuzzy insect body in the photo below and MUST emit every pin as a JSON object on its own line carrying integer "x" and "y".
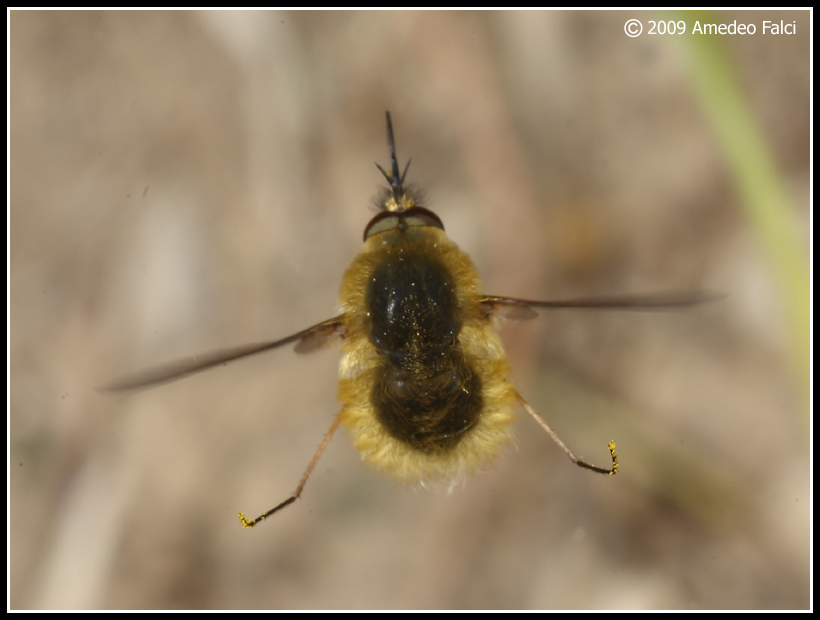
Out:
{"x": 423, "y": 377}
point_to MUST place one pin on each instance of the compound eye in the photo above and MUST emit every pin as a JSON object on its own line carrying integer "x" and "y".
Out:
{"x": 390, "y": 220}
{"x": 386, "y": 220}
{"x": 419, "y": 216}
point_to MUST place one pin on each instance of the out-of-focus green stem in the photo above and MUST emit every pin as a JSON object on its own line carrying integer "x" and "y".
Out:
{"x": 764, "y": 197}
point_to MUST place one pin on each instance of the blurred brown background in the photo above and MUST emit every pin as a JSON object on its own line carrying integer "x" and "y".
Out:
{"x": 188, "y": 181}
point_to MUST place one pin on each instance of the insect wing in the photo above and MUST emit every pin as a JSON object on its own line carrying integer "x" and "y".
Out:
{"x": 518, "y": 309}
{"x": 320, "y": 336}
{"x": 310, "y": 339}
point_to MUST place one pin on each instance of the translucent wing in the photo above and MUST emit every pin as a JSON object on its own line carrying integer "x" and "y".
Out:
{"x": 511, "y": 308}
{"x": 307, "y": 340}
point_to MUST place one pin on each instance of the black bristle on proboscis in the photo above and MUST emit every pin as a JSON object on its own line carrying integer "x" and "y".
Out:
{"x": 395, "y": 179}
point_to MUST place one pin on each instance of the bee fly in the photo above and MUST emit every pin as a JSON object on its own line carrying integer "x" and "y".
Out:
{"x": 423, "y": 377}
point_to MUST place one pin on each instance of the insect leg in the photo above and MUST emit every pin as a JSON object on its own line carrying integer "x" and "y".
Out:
{"x": 563, "y": 446}
{"x": 302, "y": 482}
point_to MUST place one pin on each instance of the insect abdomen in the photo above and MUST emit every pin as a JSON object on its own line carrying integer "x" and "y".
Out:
{"x": 429, "y": 411}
